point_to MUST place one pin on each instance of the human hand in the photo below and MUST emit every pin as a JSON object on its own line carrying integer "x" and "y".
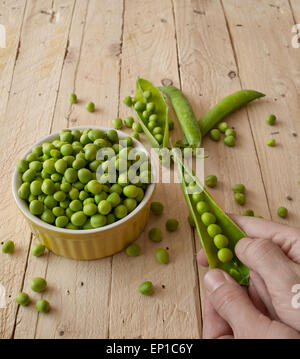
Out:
{"x": 264, "y": 310}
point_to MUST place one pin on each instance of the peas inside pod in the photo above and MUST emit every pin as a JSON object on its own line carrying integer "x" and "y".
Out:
{"x": 85, "y": 179}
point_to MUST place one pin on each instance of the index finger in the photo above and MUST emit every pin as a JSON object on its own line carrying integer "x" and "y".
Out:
{"x": 286, "y": 237}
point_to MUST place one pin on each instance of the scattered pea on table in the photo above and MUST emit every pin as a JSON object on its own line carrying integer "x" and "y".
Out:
{"x": 23, "y": 299}
{"x": 90, "y": 107}
{"x": 146, "y": 288}
{"x": 38, "y": 249}
{"x": 156, "y": 208}
{"x": 282, "y": 212}
{"x": 8, "y": 247}
{"x": 73, "y": 98}
{"x": 155, "y": 234}
{"x": 211, "y": 181}
{"x": 271, "y": 119}
{"x": 38, "y": 284}
{"x": 133, "y": 250}
{"x": 215, "y": 134}
{"x": 239, "y": 198}
{"x": 172, "y": 224}
{"x": 162, "y": 256}
{"x": 271, "y": 142}
{"x": 42, "y": 306}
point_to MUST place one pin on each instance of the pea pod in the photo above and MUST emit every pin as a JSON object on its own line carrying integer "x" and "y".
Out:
{"x": 226, "y": 106}
{"x": 161, "y": 110}
{"x": 184, "y": 114}
{"x": 234, "y": 267}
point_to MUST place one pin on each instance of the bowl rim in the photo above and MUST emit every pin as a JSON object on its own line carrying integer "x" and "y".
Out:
{"x": 23, "y": 206}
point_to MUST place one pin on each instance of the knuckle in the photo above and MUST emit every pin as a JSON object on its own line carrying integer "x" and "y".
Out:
{"x": 226, "y": 297}
{"x": 258, "y": 249}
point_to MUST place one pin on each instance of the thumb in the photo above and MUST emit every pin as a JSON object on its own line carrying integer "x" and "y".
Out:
{"x": 232, "y": 303}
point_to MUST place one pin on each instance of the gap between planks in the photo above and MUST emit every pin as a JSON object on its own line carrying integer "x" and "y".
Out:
{"x": 51, "y": 124}
{"x": 247, "y": 113}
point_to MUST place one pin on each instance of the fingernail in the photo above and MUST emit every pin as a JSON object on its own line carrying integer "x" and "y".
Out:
{"x": 213, "y": 280}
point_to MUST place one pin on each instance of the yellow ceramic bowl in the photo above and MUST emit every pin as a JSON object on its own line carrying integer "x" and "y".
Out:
{"x": 92, "y": 243}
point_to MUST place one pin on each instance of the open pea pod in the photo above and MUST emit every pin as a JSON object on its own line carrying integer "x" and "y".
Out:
{"x": 160, "y": 109}
{"x": 234, "y": 267}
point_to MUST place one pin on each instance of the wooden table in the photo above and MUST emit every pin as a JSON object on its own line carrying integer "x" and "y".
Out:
{"x": 97, "y": 48}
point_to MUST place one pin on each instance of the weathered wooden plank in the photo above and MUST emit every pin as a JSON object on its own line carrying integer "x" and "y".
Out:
{"x": 80, "y": 297}
{"x": 149, "y": 50}
{"x": 267, "y": 61}
{"x": 28, "y": 117}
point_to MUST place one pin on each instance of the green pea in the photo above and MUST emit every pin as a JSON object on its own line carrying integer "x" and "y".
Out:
{"x": 50, "y": 202}
{"x": 111, "y": 218}
{"x": 79, "y": 186}
{"x": 114, "y": 199}
{"x": 31, "y": 157}
{"x": 32, "y": 198}
{"x": 94, "y": 187}
{"x": 112, "y": 135}
{"x": 90, "y": 107}
{"x": 191, "y": 221}
{"x": 248, "y": 212}
{"x": 129, "y": 122}
{"x": 159, "y": 138}
{"x": 130, "y": 191}
{"x": 22, "y": 299}
{"x": 59, "y": 196}
{"x": 76, "y": 205}
{"x": 127, "y": 101}
{"x": 84, "y": 175}
{"x": 139, "y": 106}
{"x": 36, "y": 188}
{"x": 47, "y": 147}
{"x": 90, "y": 209}
{"x": 64, "y": 204}
{"x": 38, "y": 150}
{"x": 225, "y": 255}
{"x": 58, "y": 211}
{"x": 172, "y": 224}
{"x": 120, "y": 211}
{"x": 150, "y": 107}
{"x": 76, "y": 134}
{"x": 140, "y": 195}
{"x": 146, "y": 288}
{"x": 38, "y": 250}
{"x": 36, "y": 166}
{"x": 78, "y": 219}
{"x": 96, "y": 134}
{"x": 104, "y": 207}
{"x": 94, "y": 165}
{"x": 157, "y": 208}
{"x": 208, "y": 218}
{"x": 61, "y": 221}
{"x": 74, "y": 193}
{"x": 229, "y": 141}
{"x": 38, "y": 284}
{"x": 230, "y": 132}
{"x": 24, "y": 191}
{"x": 117, "y": 123}
{"x": 47, "y": 216}
{"x": 48, "y": 186}
{"x": 270, "y": 120}
{"x": 73, "y": 98}
{"x": 69, "y": 213}
{"x": 202, "y": 207}
{"x": 240, "y": 198}
{"x": 22, "y": 166}
{"x": 42, "y": 306}
{"x": 213, "y": 230}
{"x": 221, "y": 241}
{"x": 211, "y": 181}
{"x": 29, "y": 175}
{"x": 98, "y": 220}
{"x": 282, "y": 212}
{"x": 157, "y": 130}
{"x": 215, "y": 134}
{"x": 146, "y": 114}
{"x": 8, "y": 247}
{"x": 223, "y": 126}
{"x": 162, "y": 256}
{"x": 36, "y": 207}
{"x": 155, "y": 234}
{"x": 239, "y": 188}
{"x": 133, "y": 250}
{"x": 136, "y": 126}
{"x": 153, "y": 118}
{"x": 71, "y": 175}
{"x": 271, "y": 142}
{"x": 71, "y": 226}
{"x": 130, "y": 204}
